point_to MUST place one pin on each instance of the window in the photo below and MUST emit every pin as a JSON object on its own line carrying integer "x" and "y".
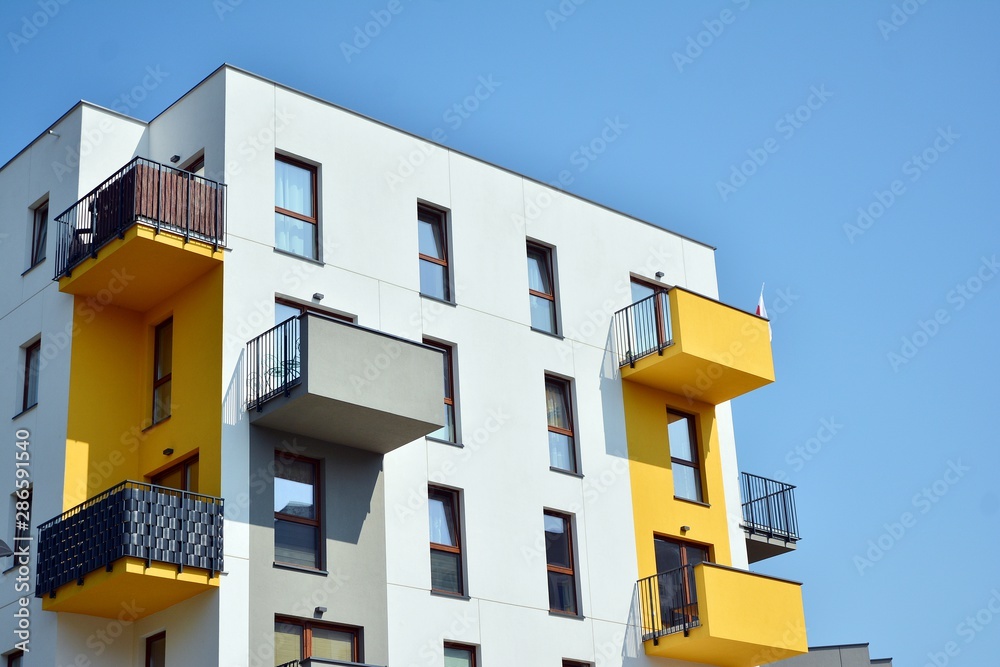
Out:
{"x": 683, "y": 442}
{"x": 285, "y": 309}
{"x": 295, "y": 219}
{"x": 183, "y": 476}
{"x": 559, "y": 560}
{"x": 163, "y": 361}
{"x": 446, "y": 541}
{"x": 448, "y": 432}
{"x": 433, "y": 248}
{"x": 674, "y": 562}
{"x": 541, "y": 289}
{"x": 197, "y": 166}
{"x": 15, "y": 659}
{"x": 32, "y": 359}
{"x": 558, "y": 407}
{"x": 296, "y": 511}
{"x": 295, "y": 639}
{"x": 575, "y": 663}
{"x": 39, "y": 231}
{"x": 459, "y": 655}
{"x": 156, "y": 650}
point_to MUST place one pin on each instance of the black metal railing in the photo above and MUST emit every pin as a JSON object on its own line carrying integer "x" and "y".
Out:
{"x": 643, "y": 328}
{"x": 142, "y": 192}
{"x": 668, "y": 603}
{"x": 132, "y": 519}
{"x": 769, "y": 507}
{"x": 273, "y": 363}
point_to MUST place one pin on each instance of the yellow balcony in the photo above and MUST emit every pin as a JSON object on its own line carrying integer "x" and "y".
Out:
{"x": 140, "y": 236}
{"x": 721, "y": 616}
{"x": 133, "y": 550}
{"x": 693, "y": 346}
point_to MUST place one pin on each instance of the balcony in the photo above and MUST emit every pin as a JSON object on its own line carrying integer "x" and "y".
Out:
{"x": 721, "y": 616}
{"x": 341, "y": 383}
{"x": 769, "y": 519}
{"x": 143, "y": 546}
{"x": 141, "y": 235}
{"x": 693, "y": 346}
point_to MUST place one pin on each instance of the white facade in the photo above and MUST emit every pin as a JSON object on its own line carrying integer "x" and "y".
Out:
{"x": 368, "y": 268}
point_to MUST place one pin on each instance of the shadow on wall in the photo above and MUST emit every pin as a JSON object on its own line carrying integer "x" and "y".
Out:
{"x": 612, "y": 408}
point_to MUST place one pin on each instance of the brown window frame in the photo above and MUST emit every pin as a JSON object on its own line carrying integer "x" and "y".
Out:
{"x": 32, "y": 353}
{"x": 546, "y": 252}
{"x": 284, "y": 456}
{"x": 39, "y": 220}
{"x": 308, "y": 626}
{"x": 658, "y": 307}
{"x": 567, "y": 520}
{"x": 576, "y": 663}
{"x": 196, "y": 165}
{"x": 304, "y": 308}
{"x": 456, "y": 508}
{"x": 314, "y": 219}
{"x": 14, "y": 656}
{"x": 168, "y": 377}
{"x": 184, "y": 465}
{"x": 149, "y": 642}
{"x": 463, "y": 647}
{"x": 440, "y": 219}
{"x": 449, "y": 391}
{"x": 566, "y": 387}
{"x": 694, "y": 464}
{"x": 689, "y": 583}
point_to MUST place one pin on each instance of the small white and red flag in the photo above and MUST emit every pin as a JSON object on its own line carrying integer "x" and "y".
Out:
{"x": 762, "y": 312}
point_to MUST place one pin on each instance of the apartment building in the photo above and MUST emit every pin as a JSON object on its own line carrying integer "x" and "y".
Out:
{"x": 294, "y": 387}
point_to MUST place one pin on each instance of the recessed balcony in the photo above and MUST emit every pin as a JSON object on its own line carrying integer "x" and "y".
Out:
{"x": 345, "y": 384}
{"x": 693, "y": 346}
{"x": 143, "y": 546}
{"x": 769, "y": 518}
{"x": 141, "y": 235}
{"x": 721, "y": 616}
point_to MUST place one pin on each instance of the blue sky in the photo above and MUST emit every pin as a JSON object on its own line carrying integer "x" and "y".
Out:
{"x": 843, "y": 152}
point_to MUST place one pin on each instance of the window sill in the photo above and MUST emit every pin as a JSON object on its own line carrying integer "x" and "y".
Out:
{"x": 155, "y": 424}
{"x": 565, "y": 614}
{"x": 443, "y": 302}
{"x": 693, "y": 502}
{"x": 25, "y": 411}
{"x": 444, "y": 442}
{"x": 549, "y": 333}
{"x": 300, "y": 568}
{"x": 288, "y": 253}
{"x": 32, "y": 267}
{"x": 571, "y": 473}
{"x": 451, "y": 596}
